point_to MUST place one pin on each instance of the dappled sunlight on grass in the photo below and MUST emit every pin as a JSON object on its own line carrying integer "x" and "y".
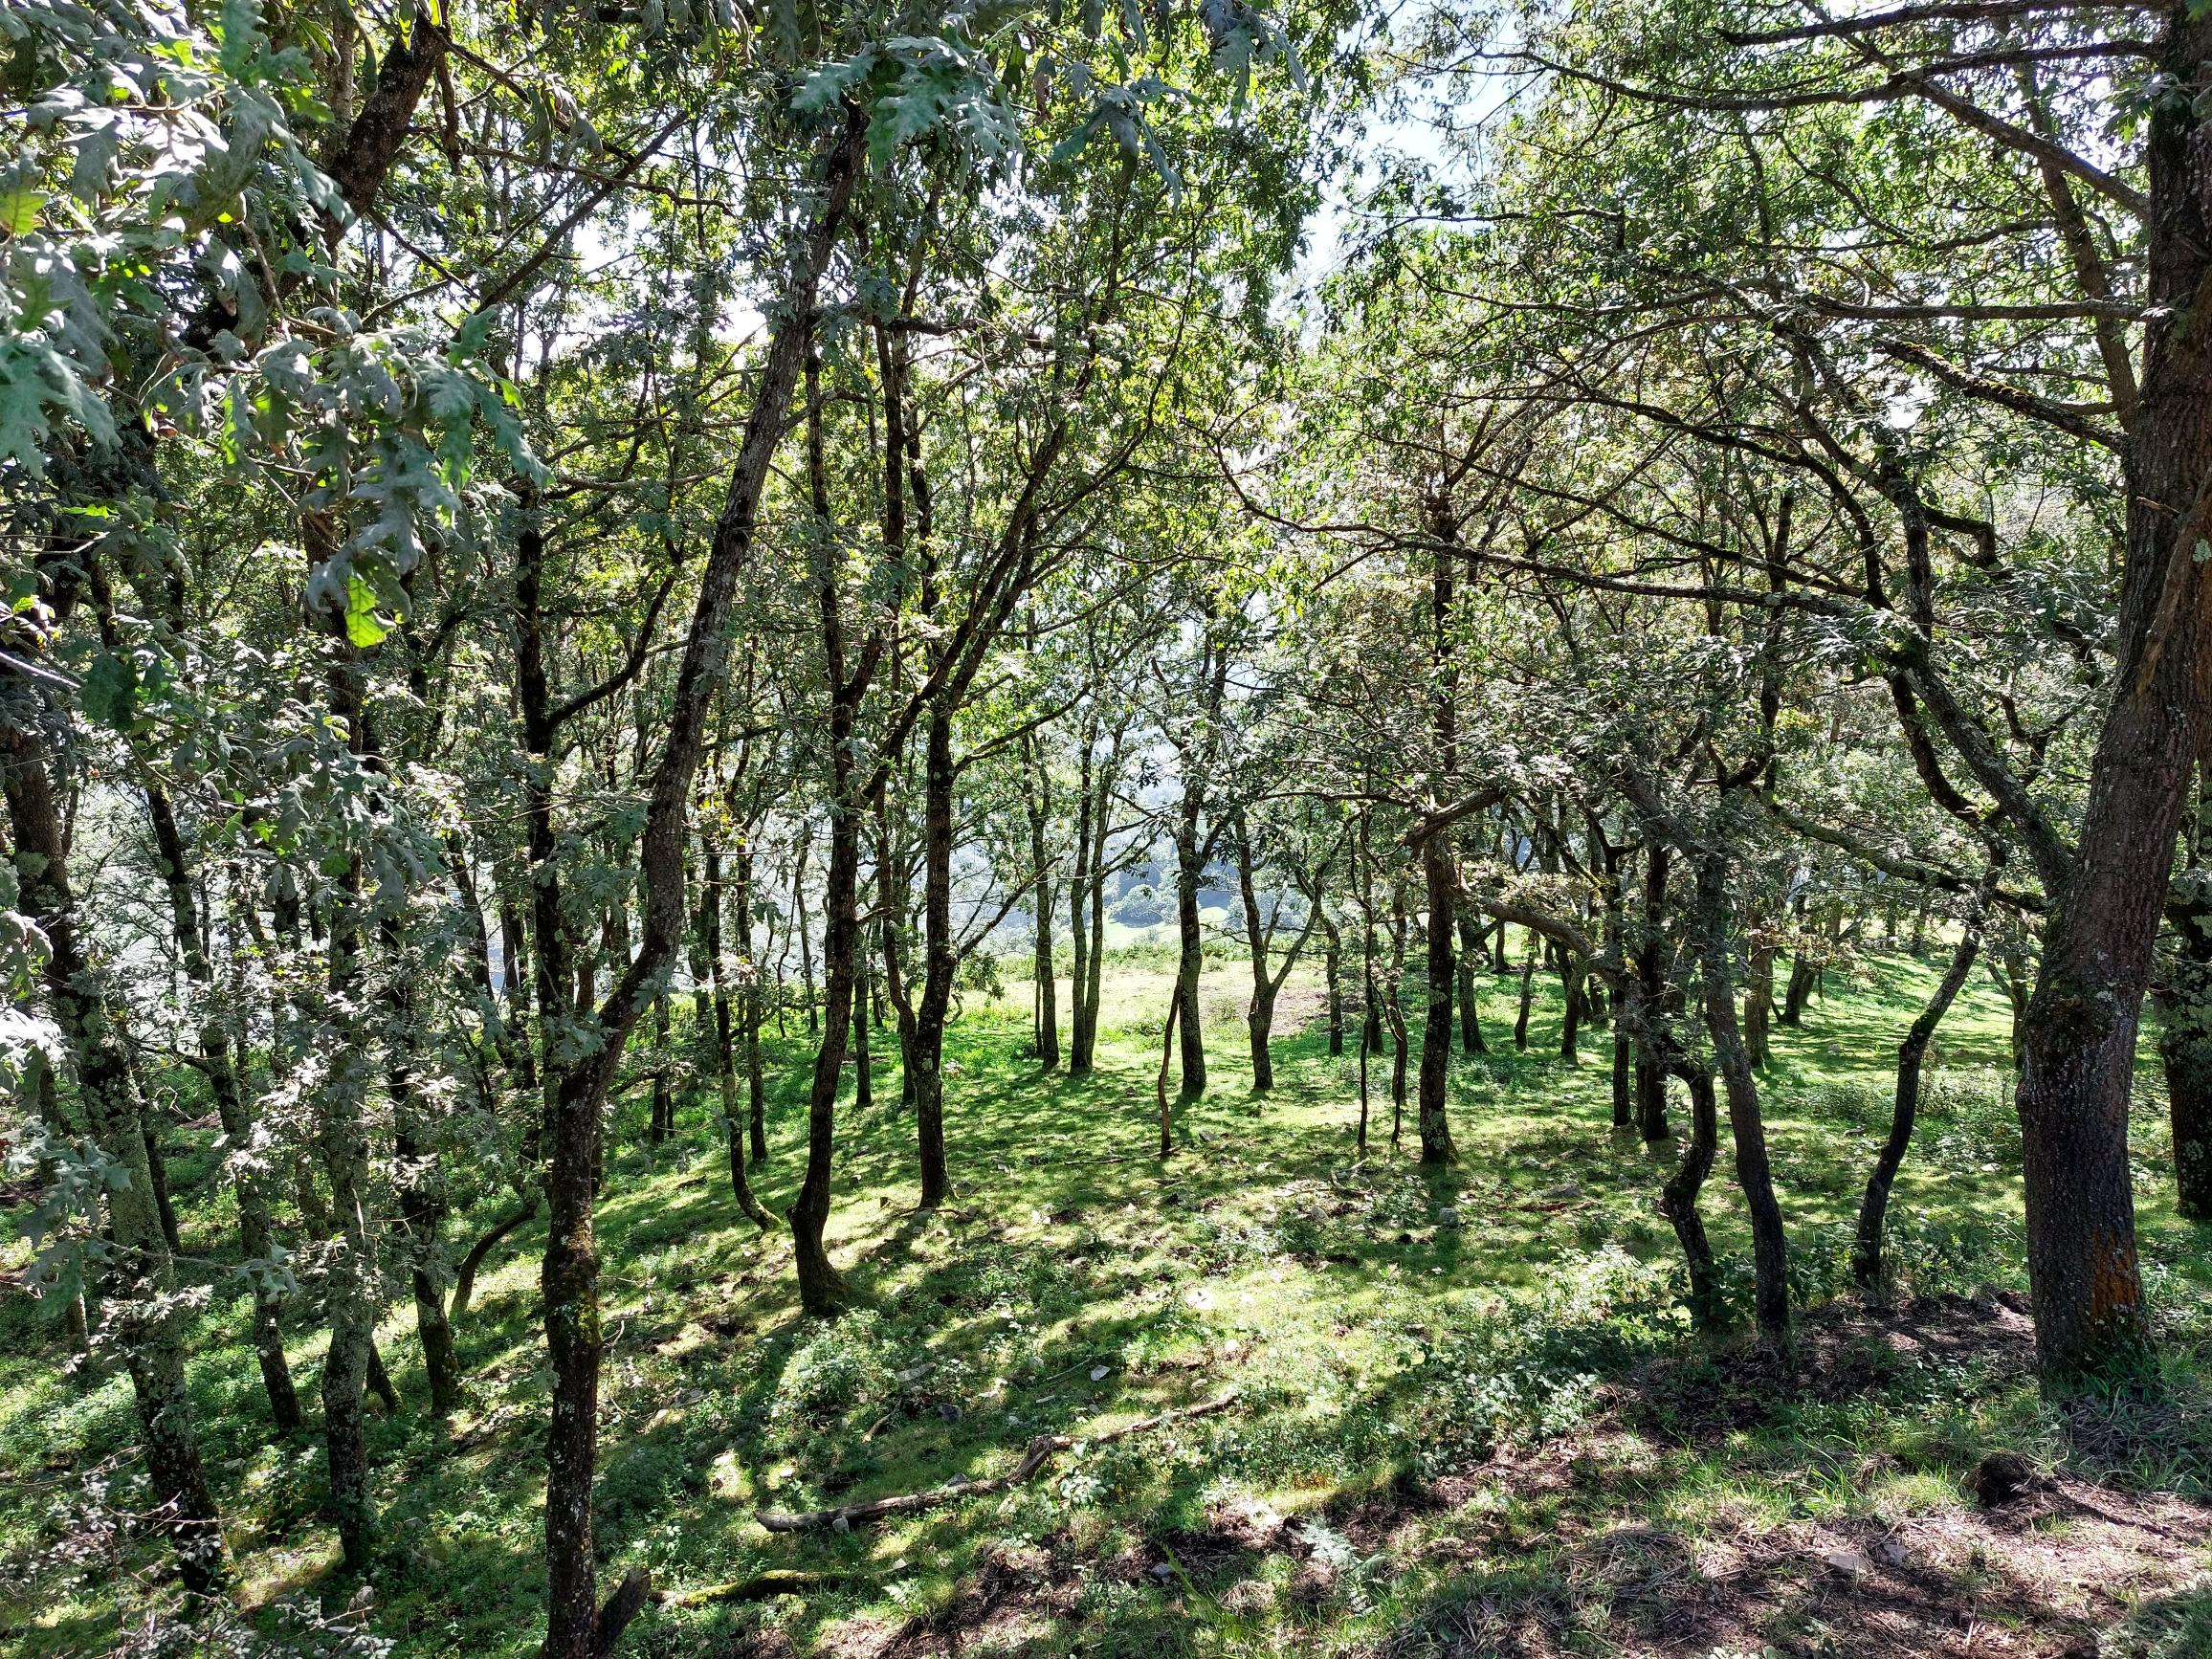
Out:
{"x": 1403, "y": 1343}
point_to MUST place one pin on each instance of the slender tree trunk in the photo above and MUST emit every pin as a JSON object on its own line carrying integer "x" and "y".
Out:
{"x": 140, "y": 1281}
{"x": 725, "y": 1059}
{"x": 1470, "y": 995}
{"x": 1873, "y": 1209}
{"x": 1650, "y": 1000}
{"x": 569, "y": 1280}
{"x": 1759, "y": 999}
{"x": 926, "y": 1058}
{"x": 1679, "y": 1198}
{"x": 1332, "y": 972}
{"x": 1769, "y": 1246}
{"x": 799, "y": 924}
{"x": 749, "y": 1009}
{"x": 1574, "y": 974}
{"x": 663, "y": 1090}
{"x": 1036, "y": 797}
{"x": 1083, "y": 1014}
{"x": 1520, "y": 1025}
{"x": 1188, "y": 877}
{"x": 1439, "y": 870}
{"x": 1396, "y": 1014}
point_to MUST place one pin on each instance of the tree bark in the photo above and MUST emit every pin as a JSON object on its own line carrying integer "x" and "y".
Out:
{"x": 1189, "y": 862}
{"x": 725, "y": 1058}
{"x": 1440, "y": 870}
{"x": 1874, "y": 1208}
{"x": 138, "y": 1283}
{"x": 2077, "y": 1060}
{"x": 570, "y": 1277}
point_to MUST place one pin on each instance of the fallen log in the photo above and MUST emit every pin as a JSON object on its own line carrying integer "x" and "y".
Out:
{"x": 1041, "y": 1451}
{"x": 760, "y": 1587}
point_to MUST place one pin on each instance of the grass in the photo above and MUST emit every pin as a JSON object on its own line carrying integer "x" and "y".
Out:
{"x": 1471, "y": 1417}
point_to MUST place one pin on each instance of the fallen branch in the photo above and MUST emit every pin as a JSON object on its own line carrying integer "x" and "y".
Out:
{"x": 760, "y": 1587}
{"x": 1040, "y": 1452}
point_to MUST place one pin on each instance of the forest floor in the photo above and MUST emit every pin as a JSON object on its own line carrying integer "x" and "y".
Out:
{"x": 1467, "y": 1416}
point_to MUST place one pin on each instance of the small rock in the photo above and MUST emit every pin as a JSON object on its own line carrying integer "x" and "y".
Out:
{"x": 947, "y": 1410}
{"x": 1849, "y": 1562}
{"x": 1099, "y": 1373}
{"x": 1564, "y": 1190}
{"x": 1162, "y": 1571}
{"x": 1890, "y": 1552}
{"x": 840, "y": 1525}
{"x": 2000, "y": 1477}
{"x": 1447, "y": 1216}
{"x": 914, "y": 1373}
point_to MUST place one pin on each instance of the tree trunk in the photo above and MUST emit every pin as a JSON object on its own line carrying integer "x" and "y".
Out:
{"x": 1678, "y": 1199}
{"x": 1650, "y": 1000}
{"x": 1188, "y": 877}
{"x": 2077, "y": 1060}
{"x": 725, "y": 1058}
{"x": 569, "y": 1280}
{"x": 926, "y": 1058}
{"x": 140, "y": 1283}
{"x": 663, "y": 1090}
{"x": 1520, "y": 1025}
{"x": 1759, "y": 999}
{"x": 1038, "y": 800}
{"x": 1873, "y": 1209}
{"x": 1769, "y": 1246}
{"x": 1574, "y": 974}
{"x": 352, "y": 1289}
{"x": 799, "y": 924}
{"x": 1470, "y": 996}
{"x": 1440, "y": 870}
{"x": 1332, "y": 971}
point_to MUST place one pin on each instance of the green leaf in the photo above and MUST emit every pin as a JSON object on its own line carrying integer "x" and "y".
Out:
{"x": 109, "y": 693}
{"x": 361, "y": 626}
{"x": 19, "y": 207}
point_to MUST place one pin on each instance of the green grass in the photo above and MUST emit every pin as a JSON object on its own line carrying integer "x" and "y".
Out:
{"x": 1378, "y": 1349}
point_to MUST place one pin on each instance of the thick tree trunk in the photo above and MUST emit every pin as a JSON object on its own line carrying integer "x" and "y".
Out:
{"x": 1574, "y": 974}
{"x": 2077, "y": 1060}
{"x": 821, "y": 1292}
{"x": 138, "y": 1285}
{"x": 1874, "y": 1208}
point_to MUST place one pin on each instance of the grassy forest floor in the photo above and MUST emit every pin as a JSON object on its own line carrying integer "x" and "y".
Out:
{"x": 1468, "y": 1417}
